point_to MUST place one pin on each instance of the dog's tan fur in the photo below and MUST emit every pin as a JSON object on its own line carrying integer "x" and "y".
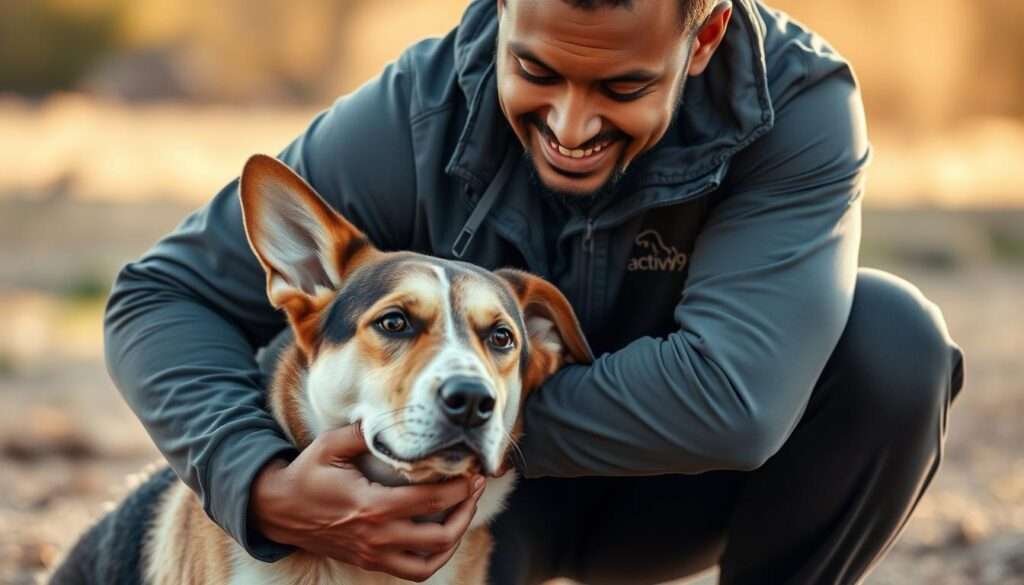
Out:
{"x": 184, "y": 546}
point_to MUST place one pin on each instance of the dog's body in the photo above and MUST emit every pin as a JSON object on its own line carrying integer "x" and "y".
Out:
{"x": 184, "y": 546}
{"x": 434, "y": 357}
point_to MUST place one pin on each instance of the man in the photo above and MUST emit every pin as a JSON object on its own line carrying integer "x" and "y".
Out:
{"x": 690, "y": 174}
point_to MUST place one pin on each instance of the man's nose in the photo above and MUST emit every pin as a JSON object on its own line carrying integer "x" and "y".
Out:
{"x": 573, "y": 119}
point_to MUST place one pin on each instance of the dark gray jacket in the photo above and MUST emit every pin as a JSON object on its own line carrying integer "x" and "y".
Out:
{"x": 716, "y": 284}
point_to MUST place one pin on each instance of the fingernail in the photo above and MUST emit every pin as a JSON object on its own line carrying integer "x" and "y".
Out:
{"x": 478, "y": 484}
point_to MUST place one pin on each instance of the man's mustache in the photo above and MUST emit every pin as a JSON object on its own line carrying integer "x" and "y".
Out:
{"x": 603, "y": 136}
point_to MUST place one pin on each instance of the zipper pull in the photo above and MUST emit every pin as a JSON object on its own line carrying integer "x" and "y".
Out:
{"x": 588, "y": 237}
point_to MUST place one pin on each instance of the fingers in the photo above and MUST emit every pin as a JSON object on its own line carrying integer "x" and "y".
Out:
{"x": 431, "y": 537}
{"x": 425, "y": 499}
{"x": 458, "y": 521}
{"x": 412, "y": 567}
{"x": 344, "y": 443}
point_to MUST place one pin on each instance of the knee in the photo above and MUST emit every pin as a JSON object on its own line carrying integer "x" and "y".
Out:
{"x": 902, "y": 366}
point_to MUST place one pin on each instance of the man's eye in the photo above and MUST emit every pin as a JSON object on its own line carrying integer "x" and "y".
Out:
{"x": 534, "y": 73}
{"x": 501, "y": 338}
{"x": 625, "y": 92}
{"x": 393, "y": 322}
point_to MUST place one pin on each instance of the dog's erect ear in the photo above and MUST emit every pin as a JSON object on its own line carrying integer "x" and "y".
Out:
{"x": 554, "y": 331}
{"x": 306, "y": 248}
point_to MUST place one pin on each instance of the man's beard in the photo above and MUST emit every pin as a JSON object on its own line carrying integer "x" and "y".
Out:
{"x": 580, "y": 200}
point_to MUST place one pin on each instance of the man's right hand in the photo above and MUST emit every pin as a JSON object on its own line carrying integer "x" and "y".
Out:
{"x": 323, "y": 504}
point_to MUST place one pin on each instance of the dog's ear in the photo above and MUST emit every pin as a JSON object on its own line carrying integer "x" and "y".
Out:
{"x": 555, "y": 334}
{"x": 306, "y": 248}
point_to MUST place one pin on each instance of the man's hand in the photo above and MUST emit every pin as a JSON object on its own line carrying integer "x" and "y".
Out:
{"x": 322, "y": 504}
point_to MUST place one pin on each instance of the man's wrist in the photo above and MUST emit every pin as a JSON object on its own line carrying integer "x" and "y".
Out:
{"x": 268, "y": 489}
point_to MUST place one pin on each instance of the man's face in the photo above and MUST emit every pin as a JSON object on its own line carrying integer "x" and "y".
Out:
{"x": 587, "y": 91}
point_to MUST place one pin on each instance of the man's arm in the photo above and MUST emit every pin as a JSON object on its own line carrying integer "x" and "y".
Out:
{"x": 183, "y": 321}
{"x": 768, "y": 294}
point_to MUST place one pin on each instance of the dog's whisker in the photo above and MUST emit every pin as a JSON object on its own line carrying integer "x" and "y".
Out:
{"x": 391, "y": 413}
{"x": 387, "y": 427}
{"x": 516, "y": 450}
{"x": 394, "y": 414}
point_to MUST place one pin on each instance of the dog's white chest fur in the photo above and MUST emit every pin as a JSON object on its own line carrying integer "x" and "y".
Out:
{"x": 249, "y": 571}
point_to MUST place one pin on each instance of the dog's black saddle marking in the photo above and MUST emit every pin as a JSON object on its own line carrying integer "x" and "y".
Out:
{"x": 111, "y": 552}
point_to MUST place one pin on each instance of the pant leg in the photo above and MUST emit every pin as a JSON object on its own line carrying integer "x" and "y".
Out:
{"x": 823, "y": 510}
{"x": 612, "y": 530}
{"x": 831, "y": 502}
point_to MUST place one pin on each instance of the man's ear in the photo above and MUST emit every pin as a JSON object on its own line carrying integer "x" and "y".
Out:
{"x": 708, "y": 37}
{"x": 306, "y": 248}
{"x": 555, "y": 334}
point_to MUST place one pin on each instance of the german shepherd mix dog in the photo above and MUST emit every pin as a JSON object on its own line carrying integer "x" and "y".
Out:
{"x": 434, "y": 357}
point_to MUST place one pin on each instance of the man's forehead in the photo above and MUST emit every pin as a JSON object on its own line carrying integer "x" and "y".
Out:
{"x": 603, "y": 26}
{"x": 646, "y": 33}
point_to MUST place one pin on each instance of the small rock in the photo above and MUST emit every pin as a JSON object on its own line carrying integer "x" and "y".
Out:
{"x": 971, "y": 529}
{"x": 37, "y": 555}
{"x": 48, "y": 432}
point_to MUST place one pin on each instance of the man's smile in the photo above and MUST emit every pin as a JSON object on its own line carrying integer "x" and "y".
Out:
{"x": 575, "y": 162}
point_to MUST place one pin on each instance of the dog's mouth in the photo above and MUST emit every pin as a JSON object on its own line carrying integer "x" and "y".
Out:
{"x": 452, "y": 451}
{"x": 456, "y": 456}
{"x": 456, "y": 453}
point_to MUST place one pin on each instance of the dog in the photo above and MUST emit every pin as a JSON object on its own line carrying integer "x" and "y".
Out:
{"x": 434, "y": 357}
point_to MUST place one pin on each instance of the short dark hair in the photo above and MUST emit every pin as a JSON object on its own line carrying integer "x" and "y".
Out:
{"x": 691, "y": 11}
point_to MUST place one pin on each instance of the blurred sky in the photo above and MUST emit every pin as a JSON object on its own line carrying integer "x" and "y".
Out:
{"x": 943, "y": 80}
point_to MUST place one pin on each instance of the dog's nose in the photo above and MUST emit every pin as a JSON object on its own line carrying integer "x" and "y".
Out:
{"x": 466, "y": 401}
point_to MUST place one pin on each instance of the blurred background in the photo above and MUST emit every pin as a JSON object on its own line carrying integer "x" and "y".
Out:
{"x": 117, "y": 117}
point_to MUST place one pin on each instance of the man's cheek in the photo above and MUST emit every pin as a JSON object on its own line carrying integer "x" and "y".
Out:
{"x": 643, "y": 128}
{"x": 516, "y": 103}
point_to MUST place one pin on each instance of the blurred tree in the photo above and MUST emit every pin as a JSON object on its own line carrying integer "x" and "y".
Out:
{"x": 924, "y": 64}
{"x": 996, "y": 86}
{"x": 48, "y": 45}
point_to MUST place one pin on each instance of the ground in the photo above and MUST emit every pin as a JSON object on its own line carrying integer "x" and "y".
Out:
{"x": 69, "y": 445}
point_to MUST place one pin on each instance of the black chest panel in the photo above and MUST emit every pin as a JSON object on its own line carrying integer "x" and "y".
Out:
{"x": 644, "y": 271}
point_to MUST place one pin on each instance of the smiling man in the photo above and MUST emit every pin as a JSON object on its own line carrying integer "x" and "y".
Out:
{"x": 690, "y": 174}
{"x": 586, "y": 94}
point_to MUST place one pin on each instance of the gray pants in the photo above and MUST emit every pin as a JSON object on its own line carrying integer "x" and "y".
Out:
{"x": 823, "y": 510}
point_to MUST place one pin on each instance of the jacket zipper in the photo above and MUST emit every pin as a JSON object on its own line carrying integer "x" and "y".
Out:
{"x": 588, "y": 269}
{"x": 588, "y": 247}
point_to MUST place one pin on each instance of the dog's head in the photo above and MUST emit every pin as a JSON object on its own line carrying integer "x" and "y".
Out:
{"x": 434, "y": 356}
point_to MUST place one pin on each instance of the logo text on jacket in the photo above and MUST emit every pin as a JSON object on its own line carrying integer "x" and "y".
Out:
{"x": 659, "y": 256}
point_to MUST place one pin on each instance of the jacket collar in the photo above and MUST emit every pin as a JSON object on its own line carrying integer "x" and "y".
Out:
{"x": 724, "y": 110}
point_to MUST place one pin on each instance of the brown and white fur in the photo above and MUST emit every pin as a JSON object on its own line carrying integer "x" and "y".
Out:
{"x": 377, "y": 335}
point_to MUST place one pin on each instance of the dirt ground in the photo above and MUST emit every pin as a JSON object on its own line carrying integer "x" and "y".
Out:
{"x": 69, "y": 446}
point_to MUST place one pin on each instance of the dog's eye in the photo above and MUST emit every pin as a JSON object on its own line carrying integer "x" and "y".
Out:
{"x": 393, "y": 322}
{"x": 501, "y": 338}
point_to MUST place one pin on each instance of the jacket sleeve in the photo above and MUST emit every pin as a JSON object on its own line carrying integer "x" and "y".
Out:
{"x": 768, "y": 294}
{"x": 182, "y": 323}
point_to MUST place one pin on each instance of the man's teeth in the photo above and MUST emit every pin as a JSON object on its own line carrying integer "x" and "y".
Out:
{"x": 576, "y": 152}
